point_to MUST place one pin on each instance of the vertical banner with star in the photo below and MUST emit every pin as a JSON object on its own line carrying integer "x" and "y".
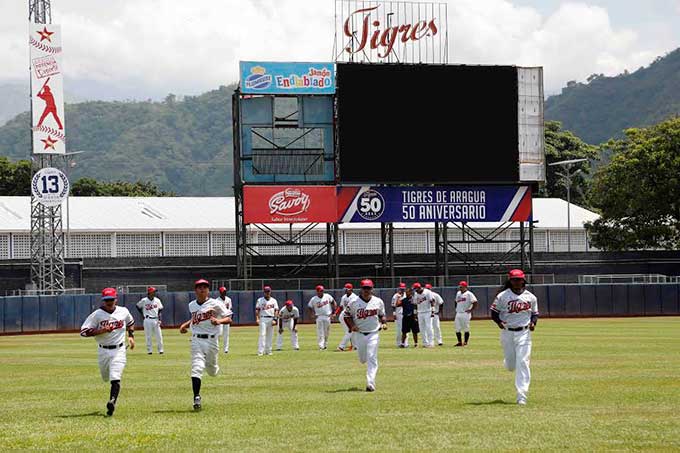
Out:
{"x": 47, "y": 91}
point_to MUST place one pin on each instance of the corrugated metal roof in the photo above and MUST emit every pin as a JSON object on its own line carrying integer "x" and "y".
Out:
{"x": 214, "y": 214}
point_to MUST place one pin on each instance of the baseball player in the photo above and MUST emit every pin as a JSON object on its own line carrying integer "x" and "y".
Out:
{"x": 399, "y": 314}
{"x": 436, "y": 326}
{"x": 266, "y": 312}
{"x": 515, "y": 312}
{"x": 226, "y": 300}
{"x": 150, "y": 307}
{"x": 207, "y": 315}
{"x": 410, "y": 318}
{"x": 288, "y": 320}
{"x": 465, "y": 304}
{"x": 422, "y": 298}
{"x": 107, "y": 325}
{"x": 340, "y": 312}
{"x": 322, "y": 307}
{"x": 365, "y": 316}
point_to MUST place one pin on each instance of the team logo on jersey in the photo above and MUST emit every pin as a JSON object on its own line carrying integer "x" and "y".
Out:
{"x": 289, "y": 202}
{"x": 197, "y": 316}
{"x": 113, "y": 323}
{"x": 150, "y": 306}
{"x": 516, "y": 306}
{"x": 364, "y": 313}
{"x": 322, "y": 303}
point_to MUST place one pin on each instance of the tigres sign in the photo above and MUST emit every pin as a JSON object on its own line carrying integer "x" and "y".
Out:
{"x": 402, "y": 32}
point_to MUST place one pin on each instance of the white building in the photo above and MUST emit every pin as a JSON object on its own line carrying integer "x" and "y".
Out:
{"x": 193, "y": 226}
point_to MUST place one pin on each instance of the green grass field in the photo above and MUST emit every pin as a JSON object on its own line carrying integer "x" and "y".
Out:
{"x": 597, "y": 384}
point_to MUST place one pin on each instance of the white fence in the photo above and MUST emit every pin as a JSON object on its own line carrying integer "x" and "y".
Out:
{"x": 223, "y": 243}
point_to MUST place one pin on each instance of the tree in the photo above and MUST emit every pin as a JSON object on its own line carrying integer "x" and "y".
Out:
{"x": 562, "y": 145}
{"x": 15, "y": 177}
{"x": 88, "y": 187}
{"x": 638, "y": 192}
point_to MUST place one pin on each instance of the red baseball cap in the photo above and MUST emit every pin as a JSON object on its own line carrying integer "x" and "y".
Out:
{"x": 416, "y": 285}
{"x": 267, "y": 288}
{"x": 462, "y": 283}
{"x": 319, "y": 287}
{"x": 349, "y": 286}
{"x": 516, "y": 273}
{"x": 150, "y": 289}
{"x": 289, "y": 302}
{"x": 428, "y": 286}
{"x": 201, "y": 281}
{"x": 402, "y": 285}
{"x": 223, "y": 289}
{"x": 367, "y": 283}
{"x": 109, "y": 293}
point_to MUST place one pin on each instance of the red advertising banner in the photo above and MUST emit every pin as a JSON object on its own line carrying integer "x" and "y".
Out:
{"x": 289, "y": 204}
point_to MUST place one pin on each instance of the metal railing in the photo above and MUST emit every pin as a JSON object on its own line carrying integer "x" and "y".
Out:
{"x": 379, "y": 281}
{"x": 140, "y": 289}
{"x": 626, "y": 278}
{"x": 36, "y": 292}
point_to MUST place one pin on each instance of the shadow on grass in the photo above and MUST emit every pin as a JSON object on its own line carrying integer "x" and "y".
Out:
{"x": 351, "y": 389}
{"x": 174, "y": 411}
{"x": 486, "y": 403}
{"x": 90, "y": 414}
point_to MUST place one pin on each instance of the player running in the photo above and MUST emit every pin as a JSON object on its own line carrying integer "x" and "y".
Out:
{"x": 150, "y": 307}
{"x": 207, "y": 315}
{"x": 465, "y": 304}
{"x": 340, "y": 312}
{"x": 107, "y": 325}
{"x": 515, "y": 311}
{"x": 266, "y": 312}
{"x": 288, "y": 320}
{"x": 322, "y": 307}
{"x": 365, "y": 316}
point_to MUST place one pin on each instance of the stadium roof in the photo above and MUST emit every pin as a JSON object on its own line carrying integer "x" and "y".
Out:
{"x": 214, "y": 214}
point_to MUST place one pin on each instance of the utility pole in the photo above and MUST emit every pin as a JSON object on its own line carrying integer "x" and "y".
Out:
{"x": 566, "y": 179}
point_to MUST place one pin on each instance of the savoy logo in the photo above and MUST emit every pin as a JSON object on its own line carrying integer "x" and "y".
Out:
{"x": 289, "y": 202}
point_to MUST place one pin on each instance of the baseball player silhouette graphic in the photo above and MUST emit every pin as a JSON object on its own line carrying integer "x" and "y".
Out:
{"x": 46, "y": 95}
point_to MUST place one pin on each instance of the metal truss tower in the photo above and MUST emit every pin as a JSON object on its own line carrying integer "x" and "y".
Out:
{"x": 47, "y": 235}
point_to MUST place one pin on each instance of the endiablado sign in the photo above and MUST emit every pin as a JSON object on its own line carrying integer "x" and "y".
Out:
{"x": 262, "y": 77}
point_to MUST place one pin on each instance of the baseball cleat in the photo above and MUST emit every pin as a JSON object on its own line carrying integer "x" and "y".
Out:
{"x": 340, "y": 349}
{"x": 259, "y": 354}
{"x": 465, "y": 344}
{"x": 370, "y": 388}
{"x": 197, "y": 403}
{"x": 458, "y": 344}
{"x": 522, "y": 402}
{"x": 440, "y": 344}
{"x": 297, "y": 349}
{"x": 110, "y": 407}
{"x": 161, "y": 352}
{"x": 149, "y": 353}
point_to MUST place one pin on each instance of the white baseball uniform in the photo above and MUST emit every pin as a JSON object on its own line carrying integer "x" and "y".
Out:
{"x": 398, "y": 316}
{"x": 366, "y": 317}
{"x": 347, "y": 335}
{"x": 515, "y": 311}
{"x": 112, "y": 349}
{"x": 287, "y": 321}
{"x": 152, "y": 326}
{"x": 225, "y": 327}
{"x": 268, "y": 309}
{"x": 323, "y": 310}
{"x": 464, "y": 303}
{"x": 424, "y": 303}
{"x": 205, "y": 336}
{"x": 436, "y": 326}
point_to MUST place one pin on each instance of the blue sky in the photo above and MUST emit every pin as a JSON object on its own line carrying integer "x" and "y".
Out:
{"x": 146, "y": 48}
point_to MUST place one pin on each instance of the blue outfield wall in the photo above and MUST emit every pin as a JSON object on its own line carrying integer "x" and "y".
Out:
{"x": 27, "y": 314}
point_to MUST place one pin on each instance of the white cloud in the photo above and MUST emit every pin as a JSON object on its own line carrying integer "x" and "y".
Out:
{"x": 189, "y": 47}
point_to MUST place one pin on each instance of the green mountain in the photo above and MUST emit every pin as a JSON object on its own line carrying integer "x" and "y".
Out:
{"x": 181, "y": 146}
{"x": 603, "y": 107}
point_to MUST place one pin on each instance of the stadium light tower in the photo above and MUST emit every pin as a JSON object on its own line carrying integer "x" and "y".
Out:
{"x": 566, "y": 180}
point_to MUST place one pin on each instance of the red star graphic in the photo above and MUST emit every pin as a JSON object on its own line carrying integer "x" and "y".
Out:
{"x": 49, "y": 142}
{"x": 44, "y": 34}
